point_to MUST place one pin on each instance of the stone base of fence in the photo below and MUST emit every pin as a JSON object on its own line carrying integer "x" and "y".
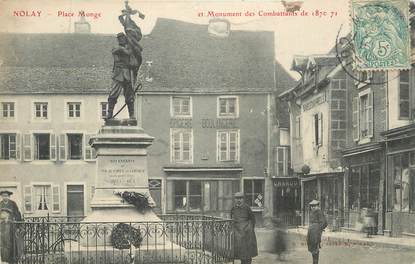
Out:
{"x": 169, "y": 253}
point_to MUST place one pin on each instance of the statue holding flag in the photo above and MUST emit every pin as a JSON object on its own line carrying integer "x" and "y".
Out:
{"x": 127, "y": 62}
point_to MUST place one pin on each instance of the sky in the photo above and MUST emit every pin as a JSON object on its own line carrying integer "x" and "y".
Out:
{"x": 294, "y": 35}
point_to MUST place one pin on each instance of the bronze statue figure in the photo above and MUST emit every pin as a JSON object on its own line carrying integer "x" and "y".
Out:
{"x": 127, "y": 62}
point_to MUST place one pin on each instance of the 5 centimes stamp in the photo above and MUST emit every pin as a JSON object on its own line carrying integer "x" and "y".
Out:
{"x": 381, "y": 34}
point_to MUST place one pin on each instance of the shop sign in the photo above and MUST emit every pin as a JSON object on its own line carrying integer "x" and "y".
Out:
{"x": 289, "y": 182}
{"x": 219, "y": 123}
{"x": 181, "y": 123}
{"x": 313, "y": 102}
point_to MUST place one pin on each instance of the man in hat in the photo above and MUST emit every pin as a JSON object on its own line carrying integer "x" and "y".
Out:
{"x": 245, "y": 244}
{"x": 11, "y": 247}
{"x": 9, "y": 205}
{"x": 317, "y": 224}
{"x": 121, "y": 77}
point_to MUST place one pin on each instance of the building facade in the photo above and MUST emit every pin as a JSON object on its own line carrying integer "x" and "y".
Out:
{"x": 400, "y": 154}
{"x": 318, "y": 132}
{"x": 208, "y": 100}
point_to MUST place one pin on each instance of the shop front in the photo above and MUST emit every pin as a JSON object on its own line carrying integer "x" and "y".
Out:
{"x": 287, "y": 200}
{"x": 364, "y": 180}
{"x": 400, "y": 185}
{"x": 328, "y": 189}
{"x": 204, "y": 191}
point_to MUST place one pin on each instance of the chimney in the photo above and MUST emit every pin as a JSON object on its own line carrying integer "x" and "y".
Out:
{"x": 82, "y": 26}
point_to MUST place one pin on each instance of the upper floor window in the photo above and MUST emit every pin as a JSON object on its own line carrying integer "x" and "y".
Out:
{"x": 7, "y": 110}
{"x": 181, "y": 145}
{"x": 41, "y": 110}
{"x": 228, "y": 145}
{"x": 318, "y": 129}
{"x": 74, "y": 109}
{"x": 41, "y": 146}
{"x": 181, "y": 106}
{"x": 404, "y": 95}
{"x": 281, "y": 161}
{"x": 9, "y": 146}
{"x": 75, "y": 146}
{"x": 103, "y": 109}
{"x": 228, "y": 106}
{"x": 363, "y": 115}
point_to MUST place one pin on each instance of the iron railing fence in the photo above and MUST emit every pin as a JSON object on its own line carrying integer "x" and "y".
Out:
{"x": 193, "y": 239}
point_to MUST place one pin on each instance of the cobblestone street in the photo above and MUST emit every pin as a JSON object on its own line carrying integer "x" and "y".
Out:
{"x": 339, "y": 255}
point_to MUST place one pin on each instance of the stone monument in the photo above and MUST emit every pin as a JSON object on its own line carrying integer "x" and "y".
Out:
{"x": 121, "y": 148}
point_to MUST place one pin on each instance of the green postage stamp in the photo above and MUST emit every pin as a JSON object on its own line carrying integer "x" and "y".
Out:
{"x": 381, "y": 34}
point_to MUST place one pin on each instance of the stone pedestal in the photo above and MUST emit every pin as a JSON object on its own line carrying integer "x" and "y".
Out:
{"x": 121, "y": 166}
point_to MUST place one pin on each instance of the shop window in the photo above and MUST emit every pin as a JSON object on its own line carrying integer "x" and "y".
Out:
{"x": 181, "y": 145}
{"x": 213, "y": 197}
{"x": 8, "y": 110}
{"x": 75, "y": 146}
{"x": 74, "y": 109}
{"x": 363, "y": 115}
{"x": 254, "y": 192}
{"x": 228, "y": 145}
{"x": 41, "y": 110}
{"x": 228, "y": 106}
{"x": 154, "y": 186}
{"x": 188, "y": 195}
{"x": 181, "y": 106}
{"x": 404, "y": 95}
{"x": 364, "y": 187}
{"x": 9, "y": 146}
{"x": 402, "y": 183}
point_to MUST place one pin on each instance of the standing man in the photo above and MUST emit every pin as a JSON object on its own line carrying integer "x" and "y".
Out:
{"x": 11, "y": 247}
{"x": 317, "y": 225}
{"x": 245, "y": 245}
{"x": 121, "y": 77}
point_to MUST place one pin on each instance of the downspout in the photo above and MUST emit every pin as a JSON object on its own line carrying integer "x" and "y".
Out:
{"x": 385, "y": 185}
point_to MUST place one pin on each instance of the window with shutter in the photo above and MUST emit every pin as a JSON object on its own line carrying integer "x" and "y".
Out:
{"x": 55, "y": 199}
{"x": 355, "y": 119}
{"x": 62, "y": 146}
{"x": 28, "y": 202}
{"x": 27, "y": 147}
{"x": 370, "y": 114}
{"x": 404, "y": 95}
{"x": 298, "y": 126}
{"x": 18, "y": 146}
{"x": 52, "y": 147}
{"x": 320, "y": 129}
{"x": 90, "y": 153}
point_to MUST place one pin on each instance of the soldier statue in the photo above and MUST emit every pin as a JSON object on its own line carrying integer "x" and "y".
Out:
{"x": 127, "y": 61}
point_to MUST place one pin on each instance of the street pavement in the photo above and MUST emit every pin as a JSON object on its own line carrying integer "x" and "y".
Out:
{"x": 341, "y": 255}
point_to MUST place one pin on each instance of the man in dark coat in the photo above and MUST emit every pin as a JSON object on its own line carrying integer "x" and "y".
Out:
{"x": 317, "y": 225}
{"x": 11, "y": 247}
{"x": 245, "y": 244}
{"x": 121, "y": 77}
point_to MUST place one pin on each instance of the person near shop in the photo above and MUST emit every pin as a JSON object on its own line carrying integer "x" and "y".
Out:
{"x": 280, "y": 238}
{"x": 11, "y": 245}
{"x": 245, "y": 243}
{"x": 317, "y": 224}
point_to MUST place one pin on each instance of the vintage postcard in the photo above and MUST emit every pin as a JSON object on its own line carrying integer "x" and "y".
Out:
{"x": 207, "y": 132}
